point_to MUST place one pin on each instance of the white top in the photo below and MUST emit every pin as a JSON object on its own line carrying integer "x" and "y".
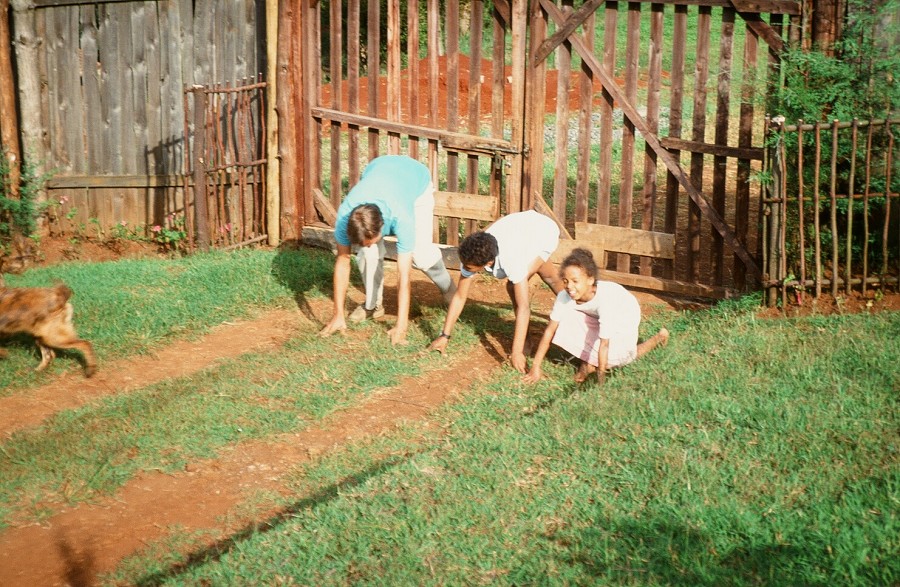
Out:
{"x": 615, "y": 308}
{"x": 521, "y": 238}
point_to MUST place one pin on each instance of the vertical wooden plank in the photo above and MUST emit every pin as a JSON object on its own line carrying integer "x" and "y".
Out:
{"x": 561, "y": 175}
{"x": 142, "y": 43}
{"x": 832, "y": 193}
{"x": 519, "y": 27}
{"x": 534, "y": 91}
{"x": 335, "y": 71}
{"x": 91, "y": 88}
{"x": 393, "y": 71}
{"x": 291, "y": 146}
{"x": 701, "y": 76}
{"x": 676, "y": 105}
{"x": 604, "y": 171}
{"x": 745, "y": 140}
{"x": 434, "y": 50}
{"x": 204, "y": 40}
{"x": 353, "y": 20}
{"x": 648, "y": 220}
{"x": 720, "y": 164}
{"x": 9, "y": 122}
{"x": 585, "y": 100}
{"x": 632, "y": 66}
{"x": 311, "y": 78}
{"x": 498, "y": 73}
{"x": 412, "y": 52}
{"x": 476, "y": 26}
{"x": 498, "y": 83}
{"x": 373, "y": 69}
{"x": 110, "y": 112}
{"x": 452, "y": 24}
{"x": 156, "y": 141}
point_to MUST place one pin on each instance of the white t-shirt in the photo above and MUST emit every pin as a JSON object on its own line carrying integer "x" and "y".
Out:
{"x": 616, "y": 309}
{"x": 521, "y": 238}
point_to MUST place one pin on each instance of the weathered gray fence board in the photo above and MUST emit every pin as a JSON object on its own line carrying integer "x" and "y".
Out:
{"x": 112, "y": 99}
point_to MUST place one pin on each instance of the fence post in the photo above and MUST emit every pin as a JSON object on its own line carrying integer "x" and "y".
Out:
{"x": 776, "y": 201}
{"x": 199, "y": 168}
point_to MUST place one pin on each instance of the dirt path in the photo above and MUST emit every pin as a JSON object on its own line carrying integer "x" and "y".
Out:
{"x": 73, "y": 546}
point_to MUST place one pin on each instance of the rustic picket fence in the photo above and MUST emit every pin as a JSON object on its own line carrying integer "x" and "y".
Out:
{"x": 832, "y": 219}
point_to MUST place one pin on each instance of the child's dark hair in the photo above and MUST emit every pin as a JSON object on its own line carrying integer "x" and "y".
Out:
{"x": 581, "y": 258}
{"x": 479, "y": 248}
{"x": 365, "y": 222}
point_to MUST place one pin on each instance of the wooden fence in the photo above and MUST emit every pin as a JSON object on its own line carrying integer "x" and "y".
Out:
{"x": 833, "y": 219}
{"x": 595, "y": 114}
{"x": 101, "y": 90}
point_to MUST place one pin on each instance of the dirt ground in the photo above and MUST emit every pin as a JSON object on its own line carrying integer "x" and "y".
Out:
{"x": 73, "y": 545}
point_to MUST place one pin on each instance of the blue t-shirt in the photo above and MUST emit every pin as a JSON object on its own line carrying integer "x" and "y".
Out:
{"x": 393, "y": 183}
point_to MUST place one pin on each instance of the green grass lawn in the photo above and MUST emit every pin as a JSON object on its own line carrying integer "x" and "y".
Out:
{"x": 747, "y": 451}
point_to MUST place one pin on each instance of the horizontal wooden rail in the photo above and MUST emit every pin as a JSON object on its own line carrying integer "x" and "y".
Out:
{"x": 467, "y": 206}
{"x": 753, "y": 153}
{"x": 453, "y": 141}
{"x": 115, "y": 181}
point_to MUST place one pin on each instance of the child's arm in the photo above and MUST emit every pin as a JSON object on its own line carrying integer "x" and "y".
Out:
{"x": 602, "y": 360}
{"x": 535, "y": 374}
{"x": 341, "y": 280}
{"x": 455, "y": 308}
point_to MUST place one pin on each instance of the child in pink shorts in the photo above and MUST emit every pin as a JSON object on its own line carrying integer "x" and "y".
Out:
{"x": 596, "y": 321}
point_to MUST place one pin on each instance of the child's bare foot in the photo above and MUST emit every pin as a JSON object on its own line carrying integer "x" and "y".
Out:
{"x": 663, "y": 336}
{"x": 584, "y": 371}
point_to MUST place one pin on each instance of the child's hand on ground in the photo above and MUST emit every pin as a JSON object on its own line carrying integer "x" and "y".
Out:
{"x": 439, "y": 344}
{"x": 398, "y": 335}
{"x": 533, "y": 376}
{"x": 337, "y": 323}
{"x": 519, "y": 362}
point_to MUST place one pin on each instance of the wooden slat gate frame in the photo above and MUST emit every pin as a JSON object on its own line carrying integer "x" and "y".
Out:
{"x": 662, "y": 149}
{"x": 342, "y": 112}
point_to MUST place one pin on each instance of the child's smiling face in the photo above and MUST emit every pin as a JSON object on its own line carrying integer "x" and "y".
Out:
{"x": 579, "y": 285}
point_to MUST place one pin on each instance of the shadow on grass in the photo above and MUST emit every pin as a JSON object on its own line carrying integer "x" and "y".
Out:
{"x": 659, "y": 551}
{"x": 306, "y": 271}
{"x": 217, "y": 550}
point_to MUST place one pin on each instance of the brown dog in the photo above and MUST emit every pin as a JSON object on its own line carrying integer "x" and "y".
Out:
{"x": 46, "y": 314}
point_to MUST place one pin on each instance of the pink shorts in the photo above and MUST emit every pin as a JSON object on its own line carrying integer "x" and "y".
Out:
{"x": 578, "y": 334}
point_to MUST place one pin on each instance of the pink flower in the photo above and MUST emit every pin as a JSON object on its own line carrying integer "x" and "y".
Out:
{"x": 156, "y": 228}
{"x": 123, "y": 223}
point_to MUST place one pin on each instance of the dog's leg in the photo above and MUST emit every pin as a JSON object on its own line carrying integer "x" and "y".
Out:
{"x": 47, "y": 356}
{"x": 60, "y": 333}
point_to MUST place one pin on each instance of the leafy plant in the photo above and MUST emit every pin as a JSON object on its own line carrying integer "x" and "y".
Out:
{"x": 171, "y": 235}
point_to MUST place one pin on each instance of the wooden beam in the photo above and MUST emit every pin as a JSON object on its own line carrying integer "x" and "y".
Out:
{"x": 452, "y": 141}
{"x": 324, "y": 207}
{"x": 9, "y": 124}
{"x": 754, "y": 153}
{"x": 468, "y": 206}
{"x": 115, "y": 181}
{"x": 645, "y": 243}
{"x": 541, "y": 206}
{"x": 573, "y": 22}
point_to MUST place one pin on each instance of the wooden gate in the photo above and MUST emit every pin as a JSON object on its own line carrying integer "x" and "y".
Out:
{"x": 576, "y": 110}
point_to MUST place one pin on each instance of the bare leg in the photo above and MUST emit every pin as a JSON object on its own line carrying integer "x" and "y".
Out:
{"x": 661, "y": 338}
